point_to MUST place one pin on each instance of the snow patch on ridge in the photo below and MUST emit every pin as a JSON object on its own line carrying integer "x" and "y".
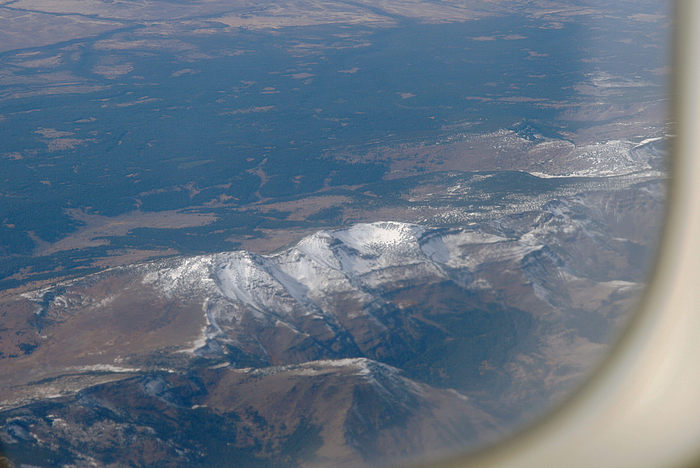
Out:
{"x": 375, "y": 238}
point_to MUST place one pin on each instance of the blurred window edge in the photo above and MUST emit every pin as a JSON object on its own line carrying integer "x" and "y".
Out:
{"x": 640, "y": 408}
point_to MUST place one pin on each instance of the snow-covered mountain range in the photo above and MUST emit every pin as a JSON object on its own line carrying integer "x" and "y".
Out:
{"x": 472, "y": 325}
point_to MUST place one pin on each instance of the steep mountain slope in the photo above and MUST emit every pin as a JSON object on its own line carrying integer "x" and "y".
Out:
{"x": 317, "y": 413}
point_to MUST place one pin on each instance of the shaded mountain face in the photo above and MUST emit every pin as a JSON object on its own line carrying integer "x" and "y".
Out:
{"x": 367, "y": 344}
{"x": 319, "y": 413}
